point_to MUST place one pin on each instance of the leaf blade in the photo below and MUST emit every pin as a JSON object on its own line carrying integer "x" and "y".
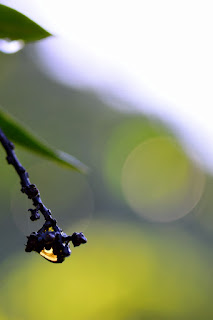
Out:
{"x": 16, "y": 26}
{"x": 18, "y": 133}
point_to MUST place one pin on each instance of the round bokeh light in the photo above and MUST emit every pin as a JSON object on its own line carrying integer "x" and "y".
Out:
{"x": 159, "y": 182}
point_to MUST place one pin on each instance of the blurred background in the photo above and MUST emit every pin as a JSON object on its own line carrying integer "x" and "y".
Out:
{"x": 126, "y": 88}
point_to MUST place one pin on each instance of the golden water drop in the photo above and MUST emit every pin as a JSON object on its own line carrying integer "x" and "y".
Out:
{"x": 49, "y": 255}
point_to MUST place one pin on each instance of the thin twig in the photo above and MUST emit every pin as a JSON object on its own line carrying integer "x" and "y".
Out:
{"x": 29, "y": 189}
{"x": 50, "y": 235}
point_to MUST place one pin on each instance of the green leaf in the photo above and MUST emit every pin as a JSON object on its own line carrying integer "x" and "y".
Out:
{"x": 16, "y": 26}
{"x": 18, "y": 133}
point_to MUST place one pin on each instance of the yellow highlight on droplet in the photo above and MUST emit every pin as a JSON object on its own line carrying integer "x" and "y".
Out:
{"x": 49, "y": 255}
{"x": 159, "y": 182}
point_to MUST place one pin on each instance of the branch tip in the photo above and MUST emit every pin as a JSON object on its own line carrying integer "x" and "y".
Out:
{"x": 50, "y": 241}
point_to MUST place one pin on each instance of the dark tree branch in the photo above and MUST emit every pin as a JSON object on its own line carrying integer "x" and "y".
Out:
{"x": 29, "y": 189}
{"x": 50, "y": 241}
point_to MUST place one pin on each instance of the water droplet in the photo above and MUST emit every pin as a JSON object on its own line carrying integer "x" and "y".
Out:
{"x": 49, "y": 255}
{"x": 11, "y": 46}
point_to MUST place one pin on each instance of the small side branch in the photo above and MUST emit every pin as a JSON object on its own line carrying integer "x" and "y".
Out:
{"x": 50, "y": 236}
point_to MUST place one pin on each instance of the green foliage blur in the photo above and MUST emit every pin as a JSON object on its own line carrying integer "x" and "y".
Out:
{"x": 145, "y": 208}
{"x": 16, "y": 30}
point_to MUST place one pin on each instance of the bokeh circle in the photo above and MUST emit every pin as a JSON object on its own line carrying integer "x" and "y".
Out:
{"x": 159, "y": 181}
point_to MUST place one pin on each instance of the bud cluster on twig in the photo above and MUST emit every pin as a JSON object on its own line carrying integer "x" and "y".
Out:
{"x": 49, "y": 241}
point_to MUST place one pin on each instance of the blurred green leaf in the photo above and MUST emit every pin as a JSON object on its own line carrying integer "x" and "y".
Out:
{"x": 16, "y": 26}
{"x": 18, "y": 133}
